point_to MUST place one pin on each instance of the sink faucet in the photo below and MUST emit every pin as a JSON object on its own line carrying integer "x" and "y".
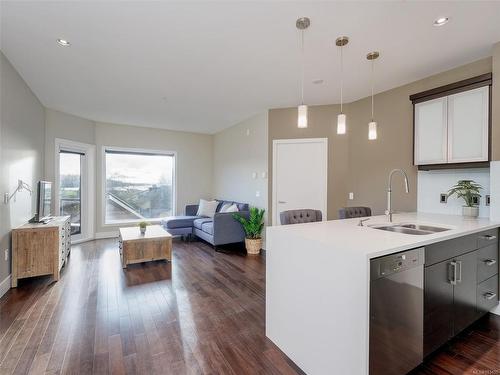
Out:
{"x": 389, "y": 211}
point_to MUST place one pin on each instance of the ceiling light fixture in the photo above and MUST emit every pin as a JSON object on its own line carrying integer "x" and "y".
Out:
{"x": 441, "y": 21}
{"x": 302, "y": 24}
{"x": 63, "y": 42}
{"x": 372, "y": 125}
{"x": 341, "y": 118}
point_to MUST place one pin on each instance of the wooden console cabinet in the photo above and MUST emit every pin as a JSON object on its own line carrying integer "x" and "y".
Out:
{"x": 40, "y": 249}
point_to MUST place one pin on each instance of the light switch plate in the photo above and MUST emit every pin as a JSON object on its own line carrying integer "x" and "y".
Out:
{"x": 443, "y": 198}
{"x": 351, "y": 196}
{"x": 488, "y": 199}
{"x": 257, "y": 193}
{"x": 6, "y": 254}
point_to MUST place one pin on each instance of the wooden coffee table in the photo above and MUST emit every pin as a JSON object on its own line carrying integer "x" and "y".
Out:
{"x": 135, "y": 247}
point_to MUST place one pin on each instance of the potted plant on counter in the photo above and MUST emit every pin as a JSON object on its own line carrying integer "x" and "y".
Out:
{"x": 468, "y": 190}
{"x": 253, "y": 229}
{"x": 142, "y": 227}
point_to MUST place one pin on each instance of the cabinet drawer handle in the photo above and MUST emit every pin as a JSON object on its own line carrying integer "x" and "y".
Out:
{"x": 489, "y": 237}
{"x": 453, "y": 278}
{"x": 489, "y": 295}
{"x": 459, "y": 279}
{"x": 490, "y": 262}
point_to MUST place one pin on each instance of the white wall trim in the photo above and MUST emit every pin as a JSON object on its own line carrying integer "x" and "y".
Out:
{"x": 276, "y": 142}
{"x": 102, "y": 235}
{"x": 5, "y": 285}
{"x": 496, "y": 310}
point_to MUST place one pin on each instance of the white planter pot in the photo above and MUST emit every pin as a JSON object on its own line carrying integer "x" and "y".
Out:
{"x": 143, "y": 230}
{"x": 470, "y": 211}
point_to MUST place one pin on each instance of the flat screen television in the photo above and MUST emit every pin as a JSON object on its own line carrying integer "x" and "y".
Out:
{"x": 43, "y": 202}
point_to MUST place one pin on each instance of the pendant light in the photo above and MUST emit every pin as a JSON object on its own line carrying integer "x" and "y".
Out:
{"x": 341, "y": 118}
{"x": 372, "y": 125}
{"x": 302, "y": 24}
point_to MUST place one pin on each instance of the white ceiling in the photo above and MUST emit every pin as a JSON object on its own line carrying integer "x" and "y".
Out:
{"x": 205, "y": 66}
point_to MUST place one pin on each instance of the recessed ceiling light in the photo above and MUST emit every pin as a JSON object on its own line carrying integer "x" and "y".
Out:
{"x": 441, "y": 21}
{"x": 63, "y": 42}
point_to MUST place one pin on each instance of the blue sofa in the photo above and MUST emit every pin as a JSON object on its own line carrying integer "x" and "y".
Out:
{"x": 220, "y": 230}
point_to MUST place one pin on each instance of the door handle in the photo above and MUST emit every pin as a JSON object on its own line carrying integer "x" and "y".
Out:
{"x": 453, "y": 278}
{"x": 490, "y": 262}
{"x": 489, "y": 237}
{"x": 281, "y": 202}
{"x": 489, "y": 295}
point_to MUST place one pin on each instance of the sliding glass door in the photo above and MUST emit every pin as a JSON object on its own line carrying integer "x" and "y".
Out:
{"x": 70, "y": 188}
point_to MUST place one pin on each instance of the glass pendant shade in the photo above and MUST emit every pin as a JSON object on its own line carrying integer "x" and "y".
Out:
{"x": 341, "y": 123}
{"x": 372, "y": 130}
{"x": 302, "y": 116}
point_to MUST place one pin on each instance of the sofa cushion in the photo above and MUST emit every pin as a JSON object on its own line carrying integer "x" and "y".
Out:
{"x": 199, "y": 222}
{"x": 208, "y": 227}
{"x": 172, "y": 222}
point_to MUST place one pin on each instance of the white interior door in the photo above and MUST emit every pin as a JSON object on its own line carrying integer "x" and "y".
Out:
{"x": 300, "y": 175}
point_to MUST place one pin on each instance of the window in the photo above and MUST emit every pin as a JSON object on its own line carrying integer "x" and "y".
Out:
{"x": 139, "y": 185}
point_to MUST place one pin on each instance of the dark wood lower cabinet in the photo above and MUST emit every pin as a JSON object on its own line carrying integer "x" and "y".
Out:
{"x": 464, "y": 292}
{"x": 456, "y": 291}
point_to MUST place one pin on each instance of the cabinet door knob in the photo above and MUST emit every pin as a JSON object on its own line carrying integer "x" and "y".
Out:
{"x": 489, "y": 295}
{"x": 490, "y": 262}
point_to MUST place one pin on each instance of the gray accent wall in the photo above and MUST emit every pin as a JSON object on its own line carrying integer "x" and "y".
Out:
{"x": 21, "y": 153}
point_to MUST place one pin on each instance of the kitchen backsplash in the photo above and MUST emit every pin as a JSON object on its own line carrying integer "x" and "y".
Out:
{"x": 431, "y": 184}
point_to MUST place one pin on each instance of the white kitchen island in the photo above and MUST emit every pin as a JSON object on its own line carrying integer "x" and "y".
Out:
{"x": 318, "y": 283}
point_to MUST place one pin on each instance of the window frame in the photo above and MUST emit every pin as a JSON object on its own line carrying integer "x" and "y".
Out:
{"x": 133, "y": 150}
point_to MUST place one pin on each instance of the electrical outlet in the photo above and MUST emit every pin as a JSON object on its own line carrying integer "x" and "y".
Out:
{"x": 257, "y": 193}
{"x": 443, "y": 198}
{"x": 6, "y": 254}
{"x": 488, "y": 200}
{"x": 351, "y": 196}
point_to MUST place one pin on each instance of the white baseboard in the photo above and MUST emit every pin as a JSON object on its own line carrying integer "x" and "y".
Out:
{"x": 101, "y": 235}
{"x": 5, "y": 285}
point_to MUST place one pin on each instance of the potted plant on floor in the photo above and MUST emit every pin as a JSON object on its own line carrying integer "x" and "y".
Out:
{"x": 142, "y": 227}
{"x": 468, "y": 190}
{"x": 253, "y": 228}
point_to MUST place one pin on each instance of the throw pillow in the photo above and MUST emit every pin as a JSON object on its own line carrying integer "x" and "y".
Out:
{"x": 224, "y": 207}
{"x": 232, "y": 208}
{"x": 207, "y": 208}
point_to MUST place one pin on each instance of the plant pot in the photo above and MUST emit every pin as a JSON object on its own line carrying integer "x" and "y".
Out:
{"x": 253, "y": 245}
{"x": 470, "y": 211}
{"x": 143, "y": 230}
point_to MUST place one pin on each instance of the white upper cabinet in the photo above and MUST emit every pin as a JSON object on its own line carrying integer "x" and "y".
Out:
{"x": 431, "y": 132}
{"x": 453, "y": 129}
{"x": 468, "y": 126}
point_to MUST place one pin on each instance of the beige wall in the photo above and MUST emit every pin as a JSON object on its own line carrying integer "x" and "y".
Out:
{"x": 21, "y": 153}
{"x": 361, "y": 166}
{"x": 64, "y": 126}
{"x": 194, "y": 160}
{"x": 283, "y": 125}
{"x": 240, "y": 152}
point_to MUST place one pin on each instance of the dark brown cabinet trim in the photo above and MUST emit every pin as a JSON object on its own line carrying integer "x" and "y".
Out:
{"x": 453, "y": 88}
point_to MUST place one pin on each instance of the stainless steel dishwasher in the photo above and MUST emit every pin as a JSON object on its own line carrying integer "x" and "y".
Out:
{"x": 396, "y": 312}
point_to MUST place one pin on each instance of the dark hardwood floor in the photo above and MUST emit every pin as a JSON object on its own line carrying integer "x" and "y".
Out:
{"x": 202, "y": 314}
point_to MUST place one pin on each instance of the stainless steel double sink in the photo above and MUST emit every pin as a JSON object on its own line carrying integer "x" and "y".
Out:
{"x": 410, "y": 228}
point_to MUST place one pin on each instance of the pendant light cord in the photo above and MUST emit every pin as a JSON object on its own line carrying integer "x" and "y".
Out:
{"x": 302, "y": 63}
{"x": 341, "y": 78}
{"x": 373, "y": 68}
